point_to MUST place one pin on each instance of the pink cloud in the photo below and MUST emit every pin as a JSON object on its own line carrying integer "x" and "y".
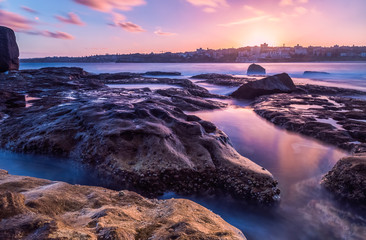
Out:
{"x": 130, "y": 27}
{"x": 161, "y": 33}
{"x": 71, "y": 18}
{"x": 14, "y": 21}
{"x": 57, "y": 34}
{"x": 209, "y": 6}
{"x": 28, "y": 9}
{"x": 108, "y": 5}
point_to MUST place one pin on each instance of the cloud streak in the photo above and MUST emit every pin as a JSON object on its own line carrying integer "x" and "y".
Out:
{"x": 245, "y": 21}
{"x": 129, "y": 27}
{"x": 109, "y": 5}
{"x": 209, "y": 5}
{"x": 57, "y": 34}
{"x": 71, "y": 18}
{"x": 28, "y": 9}
{"x": 160, "y": 32}
{"x": 14, "y": 21}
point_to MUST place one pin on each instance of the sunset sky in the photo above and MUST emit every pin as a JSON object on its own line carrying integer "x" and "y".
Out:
{"x": 87, "y": 27}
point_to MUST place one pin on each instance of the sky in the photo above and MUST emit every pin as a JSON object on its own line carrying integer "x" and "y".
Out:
{"x": 89, "y": 27}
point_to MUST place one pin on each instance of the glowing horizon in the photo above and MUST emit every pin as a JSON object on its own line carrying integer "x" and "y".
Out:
{"x": 92, "y": 27}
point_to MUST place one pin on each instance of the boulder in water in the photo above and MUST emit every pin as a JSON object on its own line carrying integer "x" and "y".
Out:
{"x": 255, "y": 69}
{"x": 280, "y": 83}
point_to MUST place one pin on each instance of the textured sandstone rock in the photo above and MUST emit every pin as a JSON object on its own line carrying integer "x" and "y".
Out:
{"x": 280, "y": 83}
{"x": 9, "y": 51}
{"x": 32, "y": 208}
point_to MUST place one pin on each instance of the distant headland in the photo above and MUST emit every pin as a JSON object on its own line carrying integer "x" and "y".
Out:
{"x": 262, "y": 53}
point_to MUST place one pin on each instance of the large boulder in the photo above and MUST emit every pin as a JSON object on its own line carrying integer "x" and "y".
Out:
{"x": 347, "y": 179}
{"x": 32, "y": 208}
{"x": 9, "y": 51}
{"x": 255, "y": 69}
{"x": 280, "y": 83}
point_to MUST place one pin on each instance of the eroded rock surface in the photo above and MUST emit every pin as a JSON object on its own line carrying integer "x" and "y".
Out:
{"x": 135, "y": 138}
{"x": 32, "y": 208}
{"x": 347, "y": 179}
{"x": 280, "y": 83}
{"x": 333, "y": 119}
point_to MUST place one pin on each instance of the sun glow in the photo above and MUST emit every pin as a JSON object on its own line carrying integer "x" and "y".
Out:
{"x": 256, "y": 38}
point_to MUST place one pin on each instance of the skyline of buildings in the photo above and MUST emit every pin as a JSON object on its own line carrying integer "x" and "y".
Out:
{"x": 262, "y": 53}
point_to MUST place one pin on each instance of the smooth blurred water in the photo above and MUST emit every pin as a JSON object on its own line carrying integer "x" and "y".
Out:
{"x": 342, "y": 74}
{"x": 52, "y": 168}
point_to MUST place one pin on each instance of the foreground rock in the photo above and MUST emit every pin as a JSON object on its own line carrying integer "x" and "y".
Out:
{"x": 9, "y": 51}
{"x": 337, "y": 120}
{"x": 255, "y": 69}
{"x": 347, "y": 179}
{"x": 135, "y": 139}
{"x": 32, "y": 208}
{"x": 280, "y": 83}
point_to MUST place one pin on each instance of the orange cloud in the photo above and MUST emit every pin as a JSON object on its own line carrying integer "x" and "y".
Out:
{"x": 14, "y": 21}
{"x": 71, "y": 18}
{"x": 108, "y": 5}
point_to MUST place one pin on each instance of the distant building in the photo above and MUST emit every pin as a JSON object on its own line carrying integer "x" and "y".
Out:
{"x": 299, "y": 50}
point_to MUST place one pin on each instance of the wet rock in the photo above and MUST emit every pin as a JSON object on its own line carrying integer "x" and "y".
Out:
{"x": 9, "y": 51}
{"x": 221, "y": 79}
{"x": 280, "y": 83}
{"x": 336, "y": 120}
{"x": 255, "y": 69}
{"x": 315, "y": 73}
{"x": 159, "y": 73}
{"x": 135, "y": 139}
{"x": 323, "y": 90}
{"x": 11, "y": 100}
{"x": 213, "y": 76}
{"x": 55, "y": 210}
{"x": 347, "y": 179}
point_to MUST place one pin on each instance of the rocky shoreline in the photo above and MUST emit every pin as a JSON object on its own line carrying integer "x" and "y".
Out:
{"x": 136, "y": 139}
{"x": 32, "y": 208}
{"x": 337, "y": 120}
